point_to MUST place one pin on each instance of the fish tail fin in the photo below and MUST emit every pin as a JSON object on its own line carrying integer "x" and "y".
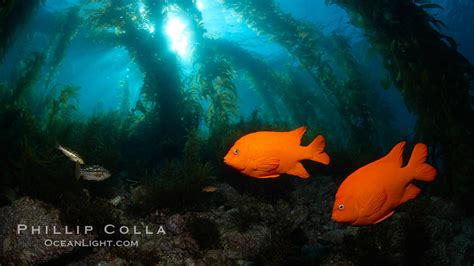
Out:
{"x": 77, "y": 171}
{"x": 316, "y": 150}
{"x": 417, "y": 166}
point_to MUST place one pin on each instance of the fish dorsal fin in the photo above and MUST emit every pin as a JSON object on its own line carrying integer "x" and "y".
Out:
{"x": 298, "y": 133}
{"x": 395, "y": 155}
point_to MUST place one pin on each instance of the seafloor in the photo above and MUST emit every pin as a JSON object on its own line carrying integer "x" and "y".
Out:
{"x": 244, "y": 230}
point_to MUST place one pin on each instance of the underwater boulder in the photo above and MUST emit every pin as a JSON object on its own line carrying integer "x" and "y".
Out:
{"x": 428, "y": 231}
{"x": 176, "y": 223}
{"x": 101, "y": 257}
{"x": 247, "y": 244}
{"x": 230, "y": 194}
{"x": 16, "y": 248}
{"x": 449, "y": 233}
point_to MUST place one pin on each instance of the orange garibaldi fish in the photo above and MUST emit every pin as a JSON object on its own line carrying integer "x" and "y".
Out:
{"x": 370, "y": 194}
{"x": 267, "y": 154}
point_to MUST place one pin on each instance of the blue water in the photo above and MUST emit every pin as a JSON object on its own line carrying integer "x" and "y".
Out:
{"x": 147, "y": 119}
{"x": 100, "y": 69}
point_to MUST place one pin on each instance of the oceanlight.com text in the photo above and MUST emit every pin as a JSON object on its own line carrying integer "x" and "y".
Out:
{"x": 90, "y": 243}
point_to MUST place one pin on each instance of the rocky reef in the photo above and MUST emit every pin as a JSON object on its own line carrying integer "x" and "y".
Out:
{"x": 26, "y": 248}
{"x": 245, "y": 230}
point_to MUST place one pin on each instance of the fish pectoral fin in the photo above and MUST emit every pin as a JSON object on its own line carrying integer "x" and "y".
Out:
{"x": 270, "y": 176}
{"x": 385, "y": 217}
{"x": 375, "y": 203}
{"x": 411, "y": 191}
{"x": 298, "y": 170}
{"x": 267, "y": 164}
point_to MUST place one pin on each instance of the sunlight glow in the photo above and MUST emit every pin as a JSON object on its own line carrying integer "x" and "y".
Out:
{"x": 199, "y": 5}
{"x": 150, "y": 27}
{"x": 176, "y": 30}
{"x": 141, "y": 8}
{"x": 146, "y": 24}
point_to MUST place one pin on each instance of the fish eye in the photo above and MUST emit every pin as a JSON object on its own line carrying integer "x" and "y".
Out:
{"x": 236, "y": 151}
{"x": 341, "y": 207}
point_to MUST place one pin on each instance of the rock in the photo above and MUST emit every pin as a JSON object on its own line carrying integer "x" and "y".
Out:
{"x": 334, "y": 237}
{"x": 249, "y": 243}
{"x": 26, "y": 248}
{"x": 220, "y": 257}
{"x": 267, "y": 213}
{"x": 433, "y": 230}
{"x": 101, "y": 256}
{"x": 231, "y": 195}
{"x": 136, "y": 195}
{"x": 176, "y": 224}
{"x": 451, "y": 236}
{"x": 116, "y": 200}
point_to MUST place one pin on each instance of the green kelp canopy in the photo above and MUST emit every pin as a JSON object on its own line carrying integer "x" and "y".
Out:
{"x": 194, "y": 80}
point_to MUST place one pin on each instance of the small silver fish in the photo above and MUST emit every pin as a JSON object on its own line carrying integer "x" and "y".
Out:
{"x": 73, "y": 156}
{"x": 92, "y": 172}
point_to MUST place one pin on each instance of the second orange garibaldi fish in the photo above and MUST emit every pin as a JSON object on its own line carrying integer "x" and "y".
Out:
{"x": 370, "y": 194}
{"x": 267, "y": 154}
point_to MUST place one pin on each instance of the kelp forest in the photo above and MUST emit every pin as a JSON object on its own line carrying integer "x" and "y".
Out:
{"x": 188, "y": 82}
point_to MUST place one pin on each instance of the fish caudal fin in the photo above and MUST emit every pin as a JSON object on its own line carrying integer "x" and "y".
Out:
{"x": 316, "y": 149}
{"x": 417, "y": 166}
{"x": 77, "y": 170}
